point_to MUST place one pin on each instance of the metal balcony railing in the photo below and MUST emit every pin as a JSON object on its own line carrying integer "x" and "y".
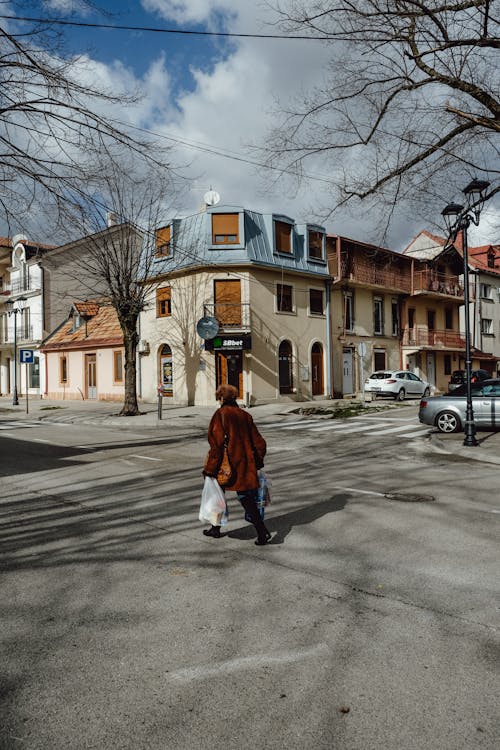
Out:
{"x": 353, "y": 269}
{"x": 422, "y": 336}
{"x": 23, "y": 334}
{"x": 26, "y": 285}
{"x": 231, "y": 316}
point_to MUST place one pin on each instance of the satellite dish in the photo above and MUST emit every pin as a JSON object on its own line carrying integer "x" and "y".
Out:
{"x": 211, "y": 198}
{"x": 207, "y": 327}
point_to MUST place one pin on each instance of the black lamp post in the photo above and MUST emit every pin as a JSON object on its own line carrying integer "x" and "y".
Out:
{"x": 11, "y": 310}
{"x": 458, "y": 219}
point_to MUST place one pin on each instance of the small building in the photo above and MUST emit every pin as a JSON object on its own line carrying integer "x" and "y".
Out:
{"x": 84, "y": 356}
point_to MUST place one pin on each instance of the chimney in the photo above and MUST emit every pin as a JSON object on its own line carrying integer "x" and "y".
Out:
{"x": 111, "y": 219}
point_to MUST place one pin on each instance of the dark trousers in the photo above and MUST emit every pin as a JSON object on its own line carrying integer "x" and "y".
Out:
{"x": 248, "y": 500}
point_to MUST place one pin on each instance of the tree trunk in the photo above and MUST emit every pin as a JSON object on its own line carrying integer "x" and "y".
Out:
{"x": 130, "y": 406}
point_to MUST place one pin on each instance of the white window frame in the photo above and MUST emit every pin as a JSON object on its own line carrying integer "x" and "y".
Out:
{"x": 487, "y": 326}
{"x": 485, "y": 291}
{"x": 378, "y": 302}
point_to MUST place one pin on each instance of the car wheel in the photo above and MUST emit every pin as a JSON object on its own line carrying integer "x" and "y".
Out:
{"x": 426, "y": 393}
{"x": 447, "y": 421}
{"x": 400, "y": 395}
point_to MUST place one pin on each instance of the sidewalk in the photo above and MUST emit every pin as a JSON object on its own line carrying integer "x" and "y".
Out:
{"x": 185, "y": 418}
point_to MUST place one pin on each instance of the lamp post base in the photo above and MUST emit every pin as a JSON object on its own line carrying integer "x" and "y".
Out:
{"x": 470, "y": 436}
{"x": 15, "y": 400}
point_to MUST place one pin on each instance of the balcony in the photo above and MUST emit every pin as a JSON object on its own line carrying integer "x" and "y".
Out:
{"x": 358, "y": 271}
{"x": 231, "y": 316}
{"x": 24, "y": 335}
{"x": 438, "y": 284}
{"x": 438, "y": 339}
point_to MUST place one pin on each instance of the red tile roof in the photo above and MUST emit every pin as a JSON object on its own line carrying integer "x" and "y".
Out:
{"x": 100, "y": 330}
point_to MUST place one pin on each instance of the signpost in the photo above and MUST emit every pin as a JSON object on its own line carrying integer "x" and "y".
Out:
{"x": 27, "y": 357}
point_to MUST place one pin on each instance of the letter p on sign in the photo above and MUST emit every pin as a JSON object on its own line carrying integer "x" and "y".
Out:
{"x": 26, "y": 356}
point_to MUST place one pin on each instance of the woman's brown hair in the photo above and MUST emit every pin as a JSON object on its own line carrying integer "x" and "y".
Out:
{"x": 226, "y": 393}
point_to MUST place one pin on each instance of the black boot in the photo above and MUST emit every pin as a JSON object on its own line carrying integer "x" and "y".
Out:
{"x": 263, "y": 535}
{"x": 212, "y": 531}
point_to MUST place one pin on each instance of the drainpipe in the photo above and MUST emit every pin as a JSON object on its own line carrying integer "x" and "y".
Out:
{"x": 329, "y": 339}
{"x": 138, "y": 360}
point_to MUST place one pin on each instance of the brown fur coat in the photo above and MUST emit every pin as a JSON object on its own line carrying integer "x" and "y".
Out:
{"x": 246, "y": 446}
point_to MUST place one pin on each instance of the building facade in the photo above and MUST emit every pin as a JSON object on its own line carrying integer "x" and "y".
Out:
{"x": 265, "y": 280}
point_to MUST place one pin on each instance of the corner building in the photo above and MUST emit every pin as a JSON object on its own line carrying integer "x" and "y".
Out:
{"x": 265, "y": 280}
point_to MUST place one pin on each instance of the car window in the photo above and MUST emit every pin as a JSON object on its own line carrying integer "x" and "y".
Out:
{"x": 380, "y": 375}
{"x": 411, "y": 376}
{"x": 400, "y": 375}
{"x": 491, "y": 389}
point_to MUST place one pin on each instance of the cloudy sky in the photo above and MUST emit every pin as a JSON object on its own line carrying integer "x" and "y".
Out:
{"x": 211, "y": 97}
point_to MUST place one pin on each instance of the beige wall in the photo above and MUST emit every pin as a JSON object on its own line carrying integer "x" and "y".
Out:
{"x": 107, "y": 389}
{"x": 362, "y": 332}
{"x": 194, "y": 369}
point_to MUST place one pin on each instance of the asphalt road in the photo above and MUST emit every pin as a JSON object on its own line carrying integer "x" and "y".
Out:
{"x": 371, "y": 621}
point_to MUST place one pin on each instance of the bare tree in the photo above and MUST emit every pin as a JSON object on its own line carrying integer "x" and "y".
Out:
{"x": 54, "y": 133}
{"x": 409, "y": 105}
{"x": 114, "y": 255}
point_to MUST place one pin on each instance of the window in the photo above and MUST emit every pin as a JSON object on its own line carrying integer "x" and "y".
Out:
{"x": 225, "y": 229}
{"x": 63, "y": 370}
{"x": 491, "y": 260}
{"x": 431, "y": 320}
{"x": 316, "y": 302}
{"x": 411, "y": 317}
{"x": 34, "y": 373}
{"x": 395, "y": 317}
{"x": 228, "y": 308}
{"x": 282, "y": 237}
{"x": 379, "y": 359}
{"x": 448, "y": 319}
{"x": 315, "y": 241}
{"x": 487, "y": 326}
{"x": 378, "y": 316}
{"x": 485, "y": 291}
{"x": 284, "y": 298}
{"x": 163, "y": 302}
{"x": 163, "y": 242}
{"x": 118, "y": 366}
{"x": 349, "y": 311}
{"x": 447, "y": 364}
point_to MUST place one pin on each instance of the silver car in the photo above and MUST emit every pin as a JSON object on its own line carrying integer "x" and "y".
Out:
{"x": 396, "y": 383}
{"x": 447, "y": 412}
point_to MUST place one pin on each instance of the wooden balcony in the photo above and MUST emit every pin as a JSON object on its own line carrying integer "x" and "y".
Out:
{"x": 440, "y": 339}
{"x": 438, "y": 284}
{"x": 360, "y": 272}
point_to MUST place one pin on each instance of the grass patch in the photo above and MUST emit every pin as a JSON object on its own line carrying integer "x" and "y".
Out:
{"x": 340, "y": 412}
{"x": 50, "y": 408}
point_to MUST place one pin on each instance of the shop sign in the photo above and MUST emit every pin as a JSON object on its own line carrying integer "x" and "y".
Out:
{"x": 229, "y": 343}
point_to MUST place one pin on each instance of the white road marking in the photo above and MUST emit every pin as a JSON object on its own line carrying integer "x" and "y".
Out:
{"x": 247, "y": 662}
{"x": 391, "y": 429}
{"x": 146, "y": 458}
{"x": 347, "y": 430}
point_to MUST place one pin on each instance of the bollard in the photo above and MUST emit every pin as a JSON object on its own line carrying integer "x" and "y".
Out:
{"x": 160, "y": 401}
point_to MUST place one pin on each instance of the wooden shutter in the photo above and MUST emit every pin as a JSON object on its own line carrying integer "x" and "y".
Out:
{"x": 283, "y": 236}
{"x": 228, "y": 302}
{"x": 163, "y": 241}
{"x": 163, "y": 302}
{"x": 225, "y": 229}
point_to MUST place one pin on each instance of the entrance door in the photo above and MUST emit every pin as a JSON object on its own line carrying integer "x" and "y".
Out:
{"x": 229, "y": 369}
{"x": 317, "y": 370}
{"x": 90, "y": 376}
{"x": 347, "y": 372}
{"x": 285, "y": 371}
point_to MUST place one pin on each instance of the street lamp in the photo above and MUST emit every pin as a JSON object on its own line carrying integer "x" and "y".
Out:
{"x": 459, "y": 218}
{"x": 11, "y": 310}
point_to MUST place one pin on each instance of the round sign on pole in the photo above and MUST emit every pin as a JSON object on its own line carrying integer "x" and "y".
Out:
{"x": 361, "y": 348}
{"x": 207, "y": 327}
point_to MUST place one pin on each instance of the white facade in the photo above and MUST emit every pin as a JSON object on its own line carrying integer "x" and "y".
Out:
{"x": 22, "y": 328}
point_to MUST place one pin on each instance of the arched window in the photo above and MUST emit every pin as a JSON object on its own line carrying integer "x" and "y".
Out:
{"x": 166, "y": 378}
{"x": 285, "y": 371}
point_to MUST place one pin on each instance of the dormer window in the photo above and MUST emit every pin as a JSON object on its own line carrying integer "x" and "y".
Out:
{"x": 491, "y": 260}
{"x": 225, "y": 229}
{"x": 77, "y": 321}
{"x": 283, "y": 236}
{"x": 163, "y": 238}
{"x": 316, "y": 244}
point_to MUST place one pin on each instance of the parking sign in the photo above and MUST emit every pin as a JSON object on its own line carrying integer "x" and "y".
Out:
{"x": 26, "y": 356}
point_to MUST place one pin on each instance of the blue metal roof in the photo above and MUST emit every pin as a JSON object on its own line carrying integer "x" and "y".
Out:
{"x": 191, "y": 244}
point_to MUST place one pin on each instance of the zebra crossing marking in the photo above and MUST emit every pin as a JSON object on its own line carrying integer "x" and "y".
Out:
{"x": 375, "y": 426}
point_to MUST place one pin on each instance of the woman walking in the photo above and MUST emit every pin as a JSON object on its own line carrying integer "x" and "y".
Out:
{"x": 233, "y": 427}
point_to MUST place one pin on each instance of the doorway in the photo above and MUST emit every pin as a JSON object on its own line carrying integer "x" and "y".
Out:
{"x": 229, "y": 369}
{"x": 317, "y": 370}
{"x": 347, "y": 372}
{"x": 431, "y": 368}
{"x": 285, "y": 371}
{"x": 90, "y": 376}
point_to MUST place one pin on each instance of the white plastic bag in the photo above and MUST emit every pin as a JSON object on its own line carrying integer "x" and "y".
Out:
{"x": 213, "y": 506}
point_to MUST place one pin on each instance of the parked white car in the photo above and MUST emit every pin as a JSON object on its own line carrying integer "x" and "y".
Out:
{"x": 396, "y": 383}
